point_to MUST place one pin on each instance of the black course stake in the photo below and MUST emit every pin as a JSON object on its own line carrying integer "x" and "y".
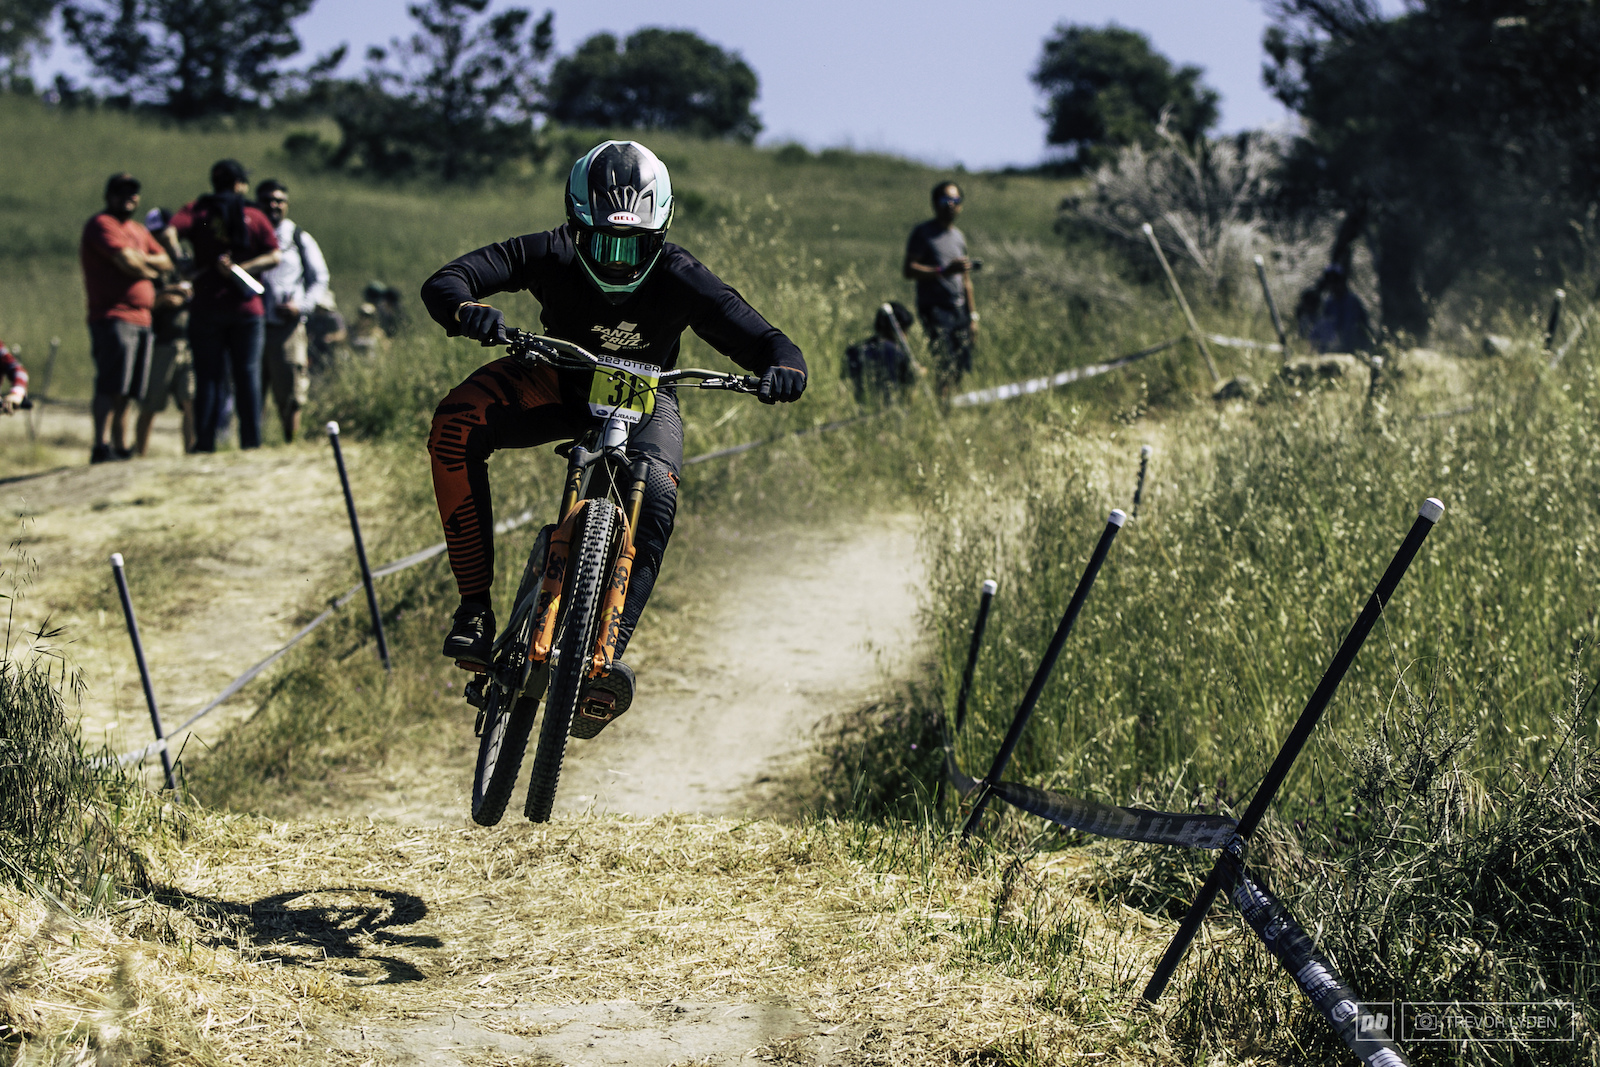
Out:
{"x": 985, "y": 599}
{"x": 1427, "y": 515}
{"x": 1113, "y": 523}
{"x": 1138, "y": 490}
{"x": 361, "y": 549}
{"x": 1553, "y": 325}
{"x": 1272, "y": 307}
{"x": 144, "y": 669}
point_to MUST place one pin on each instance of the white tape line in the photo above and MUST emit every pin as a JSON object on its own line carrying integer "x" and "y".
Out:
{"x": 1240, "y": 342}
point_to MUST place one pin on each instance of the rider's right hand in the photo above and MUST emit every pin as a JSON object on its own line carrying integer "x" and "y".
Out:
{"x": 482, "y": 323}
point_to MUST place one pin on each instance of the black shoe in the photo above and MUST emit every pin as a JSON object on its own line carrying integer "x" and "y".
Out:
{"x": 101, "y": 454}
{"x": 607, "y": 696}
{"x": 471, "y": 636}
{"x": 122, "y": 453}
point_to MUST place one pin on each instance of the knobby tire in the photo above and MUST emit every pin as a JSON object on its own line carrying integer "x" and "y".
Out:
{"x": 576, "y": 643}
{"x": 508, "y": 719}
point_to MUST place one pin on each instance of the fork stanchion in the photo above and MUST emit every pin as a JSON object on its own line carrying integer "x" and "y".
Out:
{"x": 1138, "y": 489}
{"x": 144, "y": 669}
{"x": 361, "y": 549}
{"x": 1113, "y": 523}
{"x": 985, "y": 600}
{"x": 1427, "y": 516}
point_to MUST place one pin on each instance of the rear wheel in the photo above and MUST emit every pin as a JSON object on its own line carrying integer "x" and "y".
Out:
{"x": 507, "y": 720}
{"x": 507, "y": 716}
{"x": 573, "y": 649}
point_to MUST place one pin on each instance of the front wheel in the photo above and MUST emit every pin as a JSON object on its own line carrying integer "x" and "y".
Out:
{"x": 573, "y": 648}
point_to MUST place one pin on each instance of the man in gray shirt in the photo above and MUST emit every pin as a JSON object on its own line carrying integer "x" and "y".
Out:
{"x": 936, "y": 259}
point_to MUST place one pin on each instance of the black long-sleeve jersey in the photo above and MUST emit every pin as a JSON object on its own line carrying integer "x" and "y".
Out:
{"x": 679, "y": 293}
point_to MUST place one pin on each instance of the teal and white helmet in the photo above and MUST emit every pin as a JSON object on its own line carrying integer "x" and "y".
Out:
{"x": 619, "y": 203}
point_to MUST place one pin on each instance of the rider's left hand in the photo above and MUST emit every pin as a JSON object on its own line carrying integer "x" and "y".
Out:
{"x": 781, "y": 385}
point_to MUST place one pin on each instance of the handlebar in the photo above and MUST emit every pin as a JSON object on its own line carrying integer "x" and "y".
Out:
{"x": 564, "y": 355}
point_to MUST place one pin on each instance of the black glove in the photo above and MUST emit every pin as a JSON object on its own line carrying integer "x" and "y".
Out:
{"x": 483, "y": 324}
{"x": 782, "y": 385}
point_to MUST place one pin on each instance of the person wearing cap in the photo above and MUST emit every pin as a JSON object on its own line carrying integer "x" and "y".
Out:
{"x": 171, "y": 368}
{"x": 936, "y": 259}
{"x": 120, "y": 261}
{"x": 296, "y": 285}
{"x": 233, "y": 243}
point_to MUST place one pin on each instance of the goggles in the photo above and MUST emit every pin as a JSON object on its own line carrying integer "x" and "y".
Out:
{"x": 949, "y": 200}
{"x": 620, "y": 252}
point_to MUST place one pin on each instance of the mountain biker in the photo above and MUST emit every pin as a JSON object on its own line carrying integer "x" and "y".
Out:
{"x": 608, "y": 281}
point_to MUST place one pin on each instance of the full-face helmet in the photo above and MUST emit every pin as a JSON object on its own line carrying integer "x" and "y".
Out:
{"x": 619, "y": 203}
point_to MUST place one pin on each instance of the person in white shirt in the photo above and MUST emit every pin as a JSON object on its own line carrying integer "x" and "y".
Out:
{"x": 297, "y": 284}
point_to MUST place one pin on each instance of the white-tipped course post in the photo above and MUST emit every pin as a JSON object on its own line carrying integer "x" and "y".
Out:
{"x": 361, "y": 549}
{"x": 1431, "y": 511}
{"x": 985, "y": 599}
{"x": 144, "y": 668}
{"x": 1114, "y": 523}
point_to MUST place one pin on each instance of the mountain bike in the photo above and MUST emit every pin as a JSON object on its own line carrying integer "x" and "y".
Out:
{"x": 562, "y": 631}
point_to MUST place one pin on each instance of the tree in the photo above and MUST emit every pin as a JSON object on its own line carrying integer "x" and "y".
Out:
{"x": 190, "y": 58}
{"x": 23, "y": 25}
{"x": 1459, "y": 136}
{"x": 658, "y": 80}
{"x": 461, "y": 100}
{"x": 1109, "y": 89}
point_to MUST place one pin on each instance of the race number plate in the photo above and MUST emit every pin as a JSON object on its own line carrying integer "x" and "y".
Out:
{"x": 625, "y": 387}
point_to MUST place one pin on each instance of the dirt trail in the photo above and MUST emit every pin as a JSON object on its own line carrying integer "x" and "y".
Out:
{"x": 731, "y": 689}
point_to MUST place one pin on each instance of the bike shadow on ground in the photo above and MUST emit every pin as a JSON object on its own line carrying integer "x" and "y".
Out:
{"x": 358, "y": 930}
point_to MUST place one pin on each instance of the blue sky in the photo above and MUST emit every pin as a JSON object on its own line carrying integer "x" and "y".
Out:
{"x": 938, "y": 80}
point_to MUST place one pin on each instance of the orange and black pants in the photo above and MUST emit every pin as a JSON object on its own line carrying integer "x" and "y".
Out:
{"x": 512, "y": 404}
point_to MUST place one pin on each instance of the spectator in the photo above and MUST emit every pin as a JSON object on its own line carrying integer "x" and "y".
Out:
{"x": 233, "y": 242}
{"x": 11, "y": 367}
{"x": 171, "y": 368}
{"x": 1342, "y": 324}
{"x": 325, "y": 333}
{"x": 296, "y": 285}
{"x": 881, "y": 365}
{"x": 936, "y": 259}
{"x": 120, "y": 264}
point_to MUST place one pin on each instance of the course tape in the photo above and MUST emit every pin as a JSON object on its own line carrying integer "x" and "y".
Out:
{"x": 964, "y": 400}
{"x": 1066, "y": 377}
{"x": 1366, "y": 1034}
{"x": 1102, "y": 820}
{"x": 139, "y": 754}
{"x": 1240, "y": 342}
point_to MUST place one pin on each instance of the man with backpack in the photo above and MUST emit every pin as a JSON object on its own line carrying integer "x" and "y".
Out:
{"x": 233, "y": 244}
{"x": 296, "y": 285}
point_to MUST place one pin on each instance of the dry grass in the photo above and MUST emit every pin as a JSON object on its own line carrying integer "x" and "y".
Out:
{"x": 272, "y": 934}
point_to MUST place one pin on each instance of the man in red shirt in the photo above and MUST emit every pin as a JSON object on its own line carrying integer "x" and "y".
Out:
{"x": 233, "y": 242}
{"x": 120, "y": 264}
